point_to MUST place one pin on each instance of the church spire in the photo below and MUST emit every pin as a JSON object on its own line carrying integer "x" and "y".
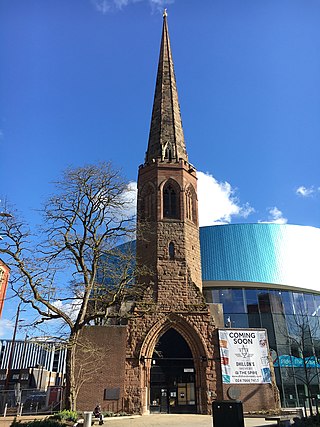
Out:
{"x": 166, "y": 139}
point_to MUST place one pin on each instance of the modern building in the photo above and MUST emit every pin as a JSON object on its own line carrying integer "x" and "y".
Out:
{"x": 31, "y": 374}
{"x": 268, "y": 275}
{"x": 31, "y": 363}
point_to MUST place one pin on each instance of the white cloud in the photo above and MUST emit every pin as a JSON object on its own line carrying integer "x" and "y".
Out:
{"x": 304, "y": 191}
{"x": 105, "y": 6}
{"x": 6, "y": 328}
{"x": 275, "y": 216}
{"x": 71, "y": 309}
{"x": 102, "y": 6}
{"x": 121, "y": 3}
{"x": 218, "y": 202}
{"x": 130, "y": 199}
{"x": 159, "y": 4}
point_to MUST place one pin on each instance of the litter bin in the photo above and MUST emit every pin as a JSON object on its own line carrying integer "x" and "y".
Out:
{"x": 227, "y": 413}
{"x": 87, "y": 419}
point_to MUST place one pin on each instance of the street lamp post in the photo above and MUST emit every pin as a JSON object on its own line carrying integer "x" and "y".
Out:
{"x": 12, "y": 347}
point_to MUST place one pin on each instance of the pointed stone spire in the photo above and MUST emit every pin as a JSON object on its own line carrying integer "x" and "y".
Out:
{"x": 166, "y": 139}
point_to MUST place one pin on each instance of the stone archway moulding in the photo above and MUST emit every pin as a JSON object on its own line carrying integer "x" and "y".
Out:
{"x": 188, "y": 331}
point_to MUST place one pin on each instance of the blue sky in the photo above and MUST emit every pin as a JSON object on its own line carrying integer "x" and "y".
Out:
{"x": 77, "y": 81}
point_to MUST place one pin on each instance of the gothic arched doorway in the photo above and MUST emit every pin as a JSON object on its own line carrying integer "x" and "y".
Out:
{"x": 172, "y": 376}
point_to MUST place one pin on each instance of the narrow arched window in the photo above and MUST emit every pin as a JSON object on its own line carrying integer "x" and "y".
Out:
{"x": 171, "y": 250}
{"x": 190, "y": 204}
{"x": 170, "y": 202}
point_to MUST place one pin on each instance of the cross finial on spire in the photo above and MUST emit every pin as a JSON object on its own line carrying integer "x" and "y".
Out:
{"x": 165, "y": 13}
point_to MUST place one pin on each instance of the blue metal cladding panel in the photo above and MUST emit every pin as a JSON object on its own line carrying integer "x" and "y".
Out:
{"x": 267, "y": 253}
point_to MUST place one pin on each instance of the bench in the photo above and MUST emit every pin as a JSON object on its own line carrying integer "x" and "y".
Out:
{"x": 282, "y": 420}
{"x": 96, "y": 420}
{"x": 285, "y": 416}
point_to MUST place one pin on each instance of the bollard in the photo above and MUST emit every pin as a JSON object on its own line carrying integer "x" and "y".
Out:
{"x": 5, "y": 410}
{"x": 20, "y": 409}
{"x": 87, "y": 419}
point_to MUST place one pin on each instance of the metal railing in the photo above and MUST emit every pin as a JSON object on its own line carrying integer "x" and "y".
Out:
{"x": 29, "y": 402}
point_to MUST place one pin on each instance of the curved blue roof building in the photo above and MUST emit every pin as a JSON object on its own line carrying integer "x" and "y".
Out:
{"x": 268, "y": 276}
{"x": 274, "y": 254}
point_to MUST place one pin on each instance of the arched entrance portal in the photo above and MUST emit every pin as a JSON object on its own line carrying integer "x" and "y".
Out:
{"x": 172, "y": 376}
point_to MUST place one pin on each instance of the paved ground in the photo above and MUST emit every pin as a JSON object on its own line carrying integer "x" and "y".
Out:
{"x": 175, "y": 421}
{"x": 157, "y": 421}
{"x": 6, "y": 421}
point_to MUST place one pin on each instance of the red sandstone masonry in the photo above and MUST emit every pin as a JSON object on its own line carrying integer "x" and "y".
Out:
{"x": 110, "y": 372}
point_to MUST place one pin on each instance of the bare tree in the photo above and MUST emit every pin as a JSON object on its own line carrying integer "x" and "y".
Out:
{"x": 73, "y": 270}
{"x": 303, "y": 331}
{"x": 301, "y": 335}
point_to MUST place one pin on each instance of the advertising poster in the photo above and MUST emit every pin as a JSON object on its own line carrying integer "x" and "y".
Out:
{"x": 244, "y": 356}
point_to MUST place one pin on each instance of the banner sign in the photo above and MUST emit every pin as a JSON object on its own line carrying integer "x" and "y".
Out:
{"x": 244, "y": 356}
{"x": 288, "y": 361}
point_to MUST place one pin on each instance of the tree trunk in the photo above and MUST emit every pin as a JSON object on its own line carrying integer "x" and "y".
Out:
{"x": 70, "y": 390}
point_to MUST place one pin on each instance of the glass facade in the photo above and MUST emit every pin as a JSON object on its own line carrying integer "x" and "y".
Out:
{"x": 292, "y": 321}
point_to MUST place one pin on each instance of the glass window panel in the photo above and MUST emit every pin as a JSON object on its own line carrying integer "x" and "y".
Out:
{"x": 314, "y": 388}
{"x": 232, "y": 300}
{"x": 290, "y": 395}
{"x": 236, "y": 320}
{"x": 287, "y": 302}
{"x": 298, "y": 303}
{"x": 276, "y": 302}
{"x": 314, "y": 328}
{"x": 298, "y": 326}
{"x": 302, "y": 394}
{"x": 264, "y": 302}
{"x": 251, "y": 296}
{"x": 283, "y": 350}
{"x": 254, "y": 320}
{"x": 317, "y": 350}
{"x": 277, "y": 375}
{"x": 287, "y": 374}
{"x": 216, "y": 295}
{"x": 280, "y": 329}
{"x": 317, "y": 304}
{"x": 309, "y": 304}
{"x": 251, "y": 300}
{"x": 267, "y": 322}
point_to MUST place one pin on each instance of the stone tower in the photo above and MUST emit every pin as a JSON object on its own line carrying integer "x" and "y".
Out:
{"x": 167, "y": 194}
{"x": 173, "y": 309}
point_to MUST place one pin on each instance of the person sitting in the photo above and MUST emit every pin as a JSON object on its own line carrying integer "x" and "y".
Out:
{"x": 97, "y": 414}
